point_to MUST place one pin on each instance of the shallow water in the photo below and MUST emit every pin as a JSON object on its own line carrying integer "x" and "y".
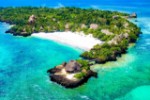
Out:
{"x": 24, "y": 61}
{"x": 139, "y": 93}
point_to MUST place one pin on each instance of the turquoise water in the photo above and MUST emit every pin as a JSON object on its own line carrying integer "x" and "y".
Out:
{"x": 140, "y": 93}
{"x": 24, "y": 61}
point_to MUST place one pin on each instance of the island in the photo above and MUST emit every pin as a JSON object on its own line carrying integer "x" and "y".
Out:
{"x": 113, "y": 31}
{"x": 71, "y": 74}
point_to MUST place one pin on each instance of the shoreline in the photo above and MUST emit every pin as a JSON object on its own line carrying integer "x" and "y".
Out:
{"x": 74, "y": 39}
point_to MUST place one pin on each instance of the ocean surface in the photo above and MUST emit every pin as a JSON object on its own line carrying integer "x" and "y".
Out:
{"x": 24, "y": 61}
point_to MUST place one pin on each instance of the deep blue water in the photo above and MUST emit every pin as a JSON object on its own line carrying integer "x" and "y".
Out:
{"x": 24, "y": 61}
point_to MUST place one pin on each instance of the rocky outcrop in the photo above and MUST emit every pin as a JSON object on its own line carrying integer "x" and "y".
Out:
{"x": 23, "y": 33}
{"x": 61, "y": 79}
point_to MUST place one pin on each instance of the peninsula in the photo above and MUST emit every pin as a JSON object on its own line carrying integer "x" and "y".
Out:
{"x": 103, "y": 35}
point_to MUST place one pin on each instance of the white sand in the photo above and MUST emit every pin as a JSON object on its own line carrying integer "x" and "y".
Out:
{"x": 69, "y": 76}
{"x": 75, "y": 39}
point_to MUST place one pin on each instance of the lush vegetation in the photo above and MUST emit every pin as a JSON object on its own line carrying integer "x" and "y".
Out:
{"x": 109, "y": 51}
{"x": 111, "y": 27}
{"x": 84, "y": 63}
{"x": 61, "y": 19}
{"x": 80, "y": 75}
{"x": 84, "y": 69}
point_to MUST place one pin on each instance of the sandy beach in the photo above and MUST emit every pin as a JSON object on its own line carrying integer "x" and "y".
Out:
{"x": 75, "y": 39}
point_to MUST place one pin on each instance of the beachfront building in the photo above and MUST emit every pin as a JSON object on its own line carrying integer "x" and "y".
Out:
{"x": 72, "y": 66}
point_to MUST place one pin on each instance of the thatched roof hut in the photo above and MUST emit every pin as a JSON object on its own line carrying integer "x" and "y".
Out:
{"x": 41, "y": 28}
{"x": 106, "y": 31}
{"x": 67, "y": 27}
{"x": 72, "y": 66}
{"x": 93, "y": 26}
{"x": 126, "y": 35}
{"x": 115, "y": 17}
{"x": 83, "y": 26}
{"x": 32, "y": 19}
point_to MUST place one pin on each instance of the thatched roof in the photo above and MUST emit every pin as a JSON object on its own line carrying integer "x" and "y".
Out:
{"x": 115, "y": 17}
{"x": 126, "y": 35}
{"x": 41, "y": 28}
{"x": 126, "y": 25}
{"x": 83, "y": 26}
{"x": 93, "y": 26}
{"x": 72, "y": 66}
{"x": 106, "y": 31}
{"x": 118, "y": 38}
{"x": 67, "y": 26}
{"x": 31, "y": 19}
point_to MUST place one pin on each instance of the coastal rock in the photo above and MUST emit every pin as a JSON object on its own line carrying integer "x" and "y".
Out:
{"x": 70, "y": 83}
{"x": 60, "y": 75}
{"x": 24, "y": 34}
